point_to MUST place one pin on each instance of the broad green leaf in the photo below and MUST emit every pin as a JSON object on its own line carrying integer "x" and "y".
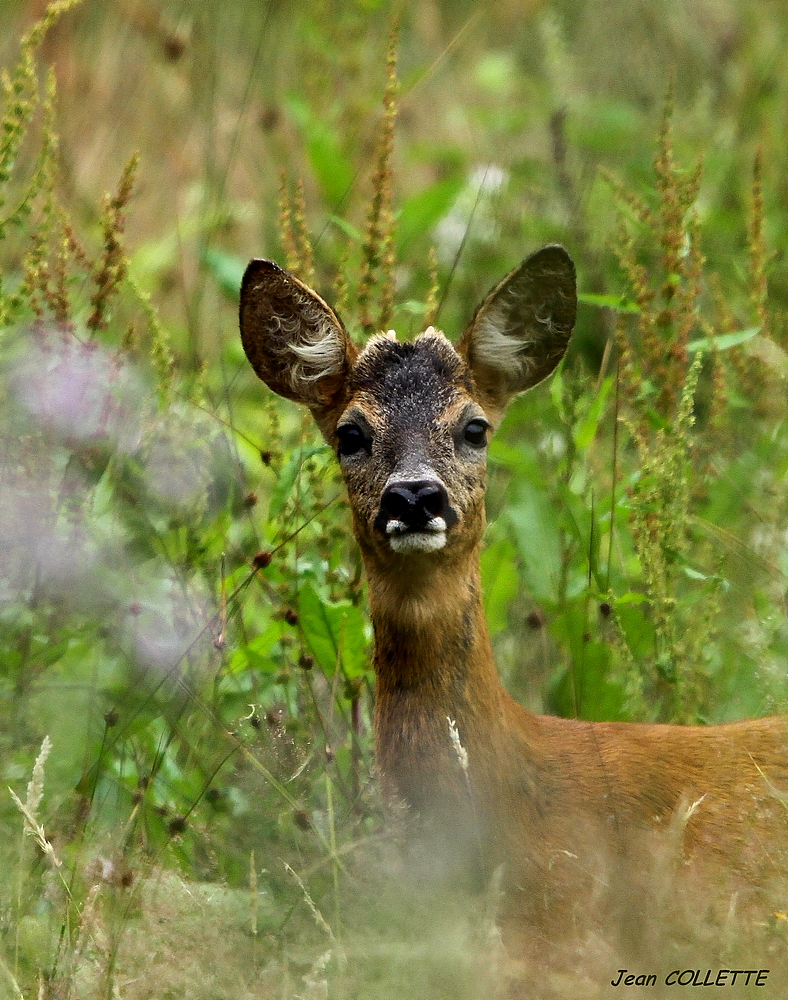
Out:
{"x": 637, "y": 629}
{"x": 226, "y": 269}
{"x": 537, "y": 533}
{"x": 334, "y": 632}
{"x": 423, "y": 211}
{"x": 725, "y": 340}
{"x": 500, "y": 582}
{"x": 584, "y": 689}
{"x": 332, "y": 169}
{"x": 258, "y": 653}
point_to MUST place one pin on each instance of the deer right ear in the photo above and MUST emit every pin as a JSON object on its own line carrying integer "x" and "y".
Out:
{"x": 521, "y": 330}
{"x": 295, "y": 342}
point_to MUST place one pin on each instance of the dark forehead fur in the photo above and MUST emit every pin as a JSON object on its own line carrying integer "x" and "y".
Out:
{"x": 425, "y": 374}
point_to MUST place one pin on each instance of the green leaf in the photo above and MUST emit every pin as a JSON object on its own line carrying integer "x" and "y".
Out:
{"x": 423, "y": 211}
{"x": 104, "y": 493}
{"x": 630, "y": 599}
{"x": 588, "y": 424}
{"x": 334, "y": 632}
{"x": 411, "y": 307}
{"x": 500, "y": 583}
{"x": 331, "y": 167}
{"x": 346, "y": 228}
{"x": 226, "y": 269}
{"x": 724, "y": 342}
{"x": 617, "y": 302}
{"x": 258, "y": 654}
{"x": 585, "y": 690}
{"x": 536, "y": 531}
{"x": 557, "y": 391}
{"x": 636, "y": 628}
{"x": 280, "y": 494}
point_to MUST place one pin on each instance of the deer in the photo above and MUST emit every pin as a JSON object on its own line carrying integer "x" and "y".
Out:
{"x": 582, "y": 819}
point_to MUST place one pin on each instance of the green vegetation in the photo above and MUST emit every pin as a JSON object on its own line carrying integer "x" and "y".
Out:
{"x": 184, "y": 678}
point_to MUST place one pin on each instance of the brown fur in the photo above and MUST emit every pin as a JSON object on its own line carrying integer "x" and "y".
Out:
{"x": 591, "y": 821}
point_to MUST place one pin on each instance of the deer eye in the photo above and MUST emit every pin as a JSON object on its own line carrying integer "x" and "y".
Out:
{"x": 351, "y": 439}
{"x": 476, "y": 433}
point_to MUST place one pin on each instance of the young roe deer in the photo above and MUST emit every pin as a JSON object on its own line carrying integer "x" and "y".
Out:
{"x": 583, "y": 817}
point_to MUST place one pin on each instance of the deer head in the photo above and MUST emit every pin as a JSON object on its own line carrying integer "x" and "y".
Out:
{"x": 409, "y": 422}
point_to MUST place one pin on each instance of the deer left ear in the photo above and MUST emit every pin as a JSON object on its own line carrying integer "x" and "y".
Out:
{"x": 294, "y": 341}
{"x": 521, "y": 330}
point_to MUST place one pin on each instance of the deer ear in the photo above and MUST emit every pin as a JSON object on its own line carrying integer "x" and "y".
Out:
{"x": 521, "y": 330}
{"x": 294, "y": 341}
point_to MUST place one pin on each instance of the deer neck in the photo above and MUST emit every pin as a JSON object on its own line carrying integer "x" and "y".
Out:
{"x": 431, "y": 637}
{"x": 434, "y": 662}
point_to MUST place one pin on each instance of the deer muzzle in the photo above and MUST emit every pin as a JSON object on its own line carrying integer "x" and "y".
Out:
{"x": 415, "y": 515}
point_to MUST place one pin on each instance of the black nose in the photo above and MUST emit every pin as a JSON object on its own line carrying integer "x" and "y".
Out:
{"x": 414, "y": 505}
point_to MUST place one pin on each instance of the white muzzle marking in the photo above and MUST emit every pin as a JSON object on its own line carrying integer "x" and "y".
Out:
{"x": 430, "y": 538}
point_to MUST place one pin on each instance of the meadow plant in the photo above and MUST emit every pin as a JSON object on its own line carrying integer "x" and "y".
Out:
{"x": 681, "y": 361}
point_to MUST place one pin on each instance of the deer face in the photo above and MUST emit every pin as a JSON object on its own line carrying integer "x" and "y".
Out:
{"x": 412, "y": 446}
{"x": 410, "y": 422}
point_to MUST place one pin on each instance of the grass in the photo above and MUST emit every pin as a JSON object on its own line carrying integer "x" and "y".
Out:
{"x": 181, "y": 606}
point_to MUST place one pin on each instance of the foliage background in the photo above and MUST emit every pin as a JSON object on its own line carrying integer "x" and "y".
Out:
{"x": 181, "y": 609}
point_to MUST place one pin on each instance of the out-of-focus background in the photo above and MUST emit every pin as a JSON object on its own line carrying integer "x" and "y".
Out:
{"x": 181, "y": 609}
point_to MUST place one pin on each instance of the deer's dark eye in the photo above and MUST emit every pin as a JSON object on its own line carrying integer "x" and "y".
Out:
{"x": 476, "y": 433}
{"x": 351, "y": 439}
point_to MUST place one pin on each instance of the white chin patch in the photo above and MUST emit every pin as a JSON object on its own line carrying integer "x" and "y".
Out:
{"x": 430, "y": 539}
{"x": 418, "y": 541}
